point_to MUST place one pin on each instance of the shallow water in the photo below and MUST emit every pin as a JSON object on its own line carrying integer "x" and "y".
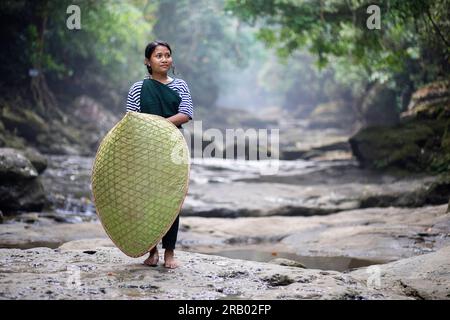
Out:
{"x": 31, "y": 245}
{"x": 338, "y": 263}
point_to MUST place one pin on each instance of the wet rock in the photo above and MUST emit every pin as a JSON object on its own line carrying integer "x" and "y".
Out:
{"x": 287, "y": 262}
{"x": 376, "y": 234}
{"x": 439, "y": 191}
{"x": 25, "y": 122}
{"x": 312, "y": 193}
{"x": 67, "y": 183}
{"x": 408, "y": 199}
{"x": 94, "y": 120}
{"x": 38, "y": 160}
{"x": 373, "y": 233}
{"x": 27, "y": 218}
{"x": 433, "y": 192}
{"x": 20, "y": 187}
{"x": 377, "y": 106}
{"x": 225, "y": 188}
{"x": 22, "y": 196}
{"x": 46, "y": 233}
{"x": 14, "y": 165}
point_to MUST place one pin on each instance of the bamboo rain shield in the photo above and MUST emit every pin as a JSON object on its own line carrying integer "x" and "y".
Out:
{"x": 140, "y": 173}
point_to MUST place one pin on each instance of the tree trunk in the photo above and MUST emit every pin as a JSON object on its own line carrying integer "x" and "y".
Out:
{"x": 44, "y": 98}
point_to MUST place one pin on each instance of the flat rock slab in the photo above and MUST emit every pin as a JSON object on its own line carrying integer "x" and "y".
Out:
{"x": 376, "y": 234}
{"x": 301, "y": 195}
{"x": 105, "y": 273}
{"x": 422, "y": 277}
{"x": 380, "y": 234}
{"x": 47, "y": 233}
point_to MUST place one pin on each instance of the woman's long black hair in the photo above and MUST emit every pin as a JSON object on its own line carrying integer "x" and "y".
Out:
{"x": 151, "y": 47}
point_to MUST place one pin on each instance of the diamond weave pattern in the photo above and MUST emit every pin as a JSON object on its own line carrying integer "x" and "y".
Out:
{"x": 139, "y": 181}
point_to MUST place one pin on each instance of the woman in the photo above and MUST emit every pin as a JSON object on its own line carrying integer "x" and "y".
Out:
{"x": 167, "y": 97}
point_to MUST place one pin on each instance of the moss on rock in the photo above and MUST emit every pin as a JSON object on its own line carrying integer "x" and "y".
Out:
{"x": 431, "y": 101}
{"x": 421, "y": 142}
{"x": 24, "y": 122}
{"x": 414, "y": 146}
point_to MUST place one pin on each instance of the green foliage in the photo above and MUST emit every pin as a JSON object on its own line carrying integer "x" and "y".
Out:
{"x": 91, "y": 60}
{"x": 109, "y": 45}
{"x": 204, "y": 38}
{"x": 411, "y": 48}
{"x": 105, "y": 56}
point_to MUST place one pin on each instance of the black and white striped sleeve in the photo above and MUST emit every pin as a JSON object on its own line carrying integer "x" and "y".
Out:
{"x": 186, "y": 105}
{"x": 134, "y": 97}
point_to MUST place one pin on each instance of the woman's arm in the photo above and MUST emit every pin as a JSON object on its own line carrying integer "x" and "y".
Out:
{"x": 179, "y": 119}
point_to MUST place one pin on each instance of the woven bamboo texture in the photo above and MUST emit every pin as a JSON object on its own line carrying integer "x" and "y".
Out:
{"x": 139, "y": 181}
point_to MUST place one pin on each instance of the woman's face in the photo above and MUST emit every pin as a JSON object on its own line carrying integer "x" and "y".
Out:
{"x": 160, "y": 60}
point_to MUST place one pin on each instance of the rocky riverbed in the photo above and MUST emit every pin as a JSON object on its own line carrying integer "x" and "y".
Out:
{"x": 105, "y": 273}
{"x": 237, "y": 188}
{"x": 315, "y": 229}
{"x": 376, "y": 235}
{"x": 340, "y": 256}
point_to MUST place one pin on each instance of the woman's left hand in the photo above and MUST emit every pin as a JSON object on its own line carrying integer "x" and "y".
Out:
{"x": 179, "y": 119}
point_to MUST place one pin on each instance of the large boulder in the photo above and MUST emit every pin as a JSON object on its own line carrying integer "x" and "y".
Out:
{"x": 412, "y": 146}
{"x": 14, "y": 165}
{"x": 20, "y": 187}
{"x": 431, "y": 101}
{"x": 36, "y": 158}
{"x": 93, "y": 120}
{"x": 26, "y": 123}
{"x": 378, "y": 106}
{"x": 77, "y": 130}
{"x": 86, "y": 122}
{"x": 421, "y": 142}
{"x": 439, "y": 191}
{"x": 93, "y": 113}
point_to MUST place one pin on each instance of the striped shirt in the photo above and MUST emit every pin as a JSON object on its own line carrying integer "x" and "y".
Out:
{"x": 178, "y": 85}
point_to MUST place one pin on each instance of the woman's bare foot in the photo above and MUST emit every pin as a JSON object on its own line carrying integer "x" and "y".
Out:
{"x": 169, "y": 260}
{"x": 153, "y": 259}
